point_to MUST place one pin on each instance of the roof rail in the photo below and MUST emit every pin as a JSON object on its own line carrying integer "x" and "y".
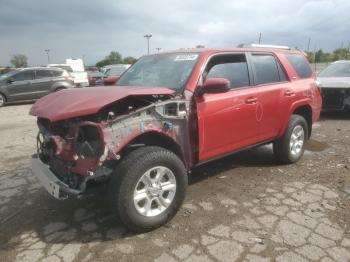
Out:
{"x": 265, "y": 46}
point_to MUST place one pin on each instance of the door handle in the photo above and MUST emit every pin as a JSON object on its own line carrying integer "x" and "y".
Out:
{"x": 251, "y": 100}
{"x": 289, "y": 93}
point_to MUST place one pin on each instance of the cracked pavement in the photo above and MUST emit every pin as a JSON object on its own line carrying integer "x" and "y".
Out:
{"x": 245, "y": 207}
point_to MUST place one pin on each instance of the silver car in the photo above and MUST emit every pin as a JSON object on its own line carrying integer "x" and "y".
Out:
{"x": 32, "y": 83}
{"x": 335, "y": 85}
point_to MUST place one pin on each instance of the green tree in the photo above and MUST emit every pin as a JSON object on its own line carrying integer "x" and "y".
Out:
{"x": 200, "y": 46}
{"x": 19, "y": 60}
{"x": 113, "y": 58}
{"x": 129, "y": 60}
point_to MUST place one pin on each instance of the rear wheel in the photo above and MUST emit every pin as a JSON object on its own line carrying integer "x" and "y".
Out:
{"x": 2, "y": 100}
{"x": 148, "y": 188}
{"x": 290, "y": 147}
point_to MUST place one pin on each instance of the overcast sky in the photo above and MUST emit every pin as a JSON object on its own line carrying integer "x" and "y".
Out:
{"x": 94, "y": 28}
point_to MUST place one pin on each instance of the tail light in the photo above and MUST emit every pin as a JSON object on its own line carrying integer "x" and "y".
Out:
{"x": 68, "y": 78}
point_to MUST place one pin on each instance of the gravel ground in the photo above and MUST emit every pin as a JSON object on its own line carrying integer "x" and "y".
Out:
{"x": 244, "y": 207}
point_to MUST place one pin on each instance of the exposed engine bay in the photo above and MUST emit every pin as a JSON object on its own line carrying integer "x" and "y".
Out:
{"x": 83, "y": 151}
{"x": 336, "y": 98}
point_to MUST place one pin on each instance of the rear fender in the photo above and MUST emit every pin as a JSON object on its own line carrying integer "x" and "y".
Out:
{"x": 293, "y": 108}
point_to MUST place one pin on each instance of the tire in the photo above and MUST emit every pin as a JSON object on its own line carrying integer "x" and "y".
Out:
{"x": 2, "y": 100}
{"x": 296, "y": 133}
{"x": 137, "y": 205}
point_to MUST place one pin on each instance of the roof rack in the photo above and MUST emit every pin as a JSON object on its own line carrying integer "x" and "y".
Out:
{"x": 265, "y": 46}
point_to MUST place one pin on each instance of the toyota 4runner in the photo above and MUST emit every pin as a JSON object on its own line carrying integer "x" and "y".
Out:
{"x": 167, "y": 114}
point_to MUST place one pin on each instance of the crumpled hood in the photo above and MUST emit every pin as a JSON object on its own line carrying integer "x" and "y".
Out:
{"x": 75, "y": 102}
{"x": 335, "y": 82}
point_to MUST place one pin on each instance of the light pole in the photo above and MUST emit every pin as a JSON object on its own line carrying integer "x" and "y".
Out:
{"x": 148, "y": 37}
{"x": 158, "y": 49}
{"x": 48, "y": 55}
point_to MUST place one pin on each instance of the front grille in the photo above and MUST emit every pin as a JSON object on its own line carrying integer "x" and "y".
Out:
{"x": 333, "y": 97}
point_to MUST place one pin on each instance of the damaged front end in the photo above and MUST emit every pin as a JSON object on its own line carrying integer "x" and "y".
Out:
{"x": 335, "y": 99}
{"x": 80, "y": 154}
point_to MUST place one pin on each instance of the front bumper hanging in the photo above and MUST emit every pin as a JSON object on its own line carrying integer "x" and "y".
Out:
{"x": 52, "y": 184}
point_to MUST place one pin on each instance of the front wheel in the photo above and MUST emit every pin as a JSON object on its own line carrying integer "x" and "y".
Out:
{"x": 148, "y": 188}
{"x": 2, "y": 100}
{"x": 290, "y": 147}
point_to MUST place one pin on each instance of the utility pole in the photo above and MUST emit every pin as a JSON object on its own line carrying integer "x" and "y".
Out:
{"x": 308, "y": 45}
{"x": 260, "y": 38}
{"x": 48, "y": 55}
{"x": 148, "y": 38}
{"x": 158, "y": 49}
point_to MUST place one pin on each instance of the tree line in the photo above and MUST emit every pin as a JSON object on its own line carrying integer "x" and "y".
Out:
{"x": 326, "y": 57}
{"x": 20, "y": 60}
{"x": 115, "y": 58}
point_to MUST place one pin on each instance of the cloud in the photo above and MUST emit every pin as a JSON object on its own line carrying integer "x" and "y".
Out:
{"x": 94, "y": 28}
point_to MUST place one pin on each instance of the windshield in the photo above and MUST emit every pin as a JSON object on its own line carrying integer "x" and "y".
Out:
{"x": 336, "y": 70}
{"x": 8, "y": 74}
{"x": 166, "y": 70}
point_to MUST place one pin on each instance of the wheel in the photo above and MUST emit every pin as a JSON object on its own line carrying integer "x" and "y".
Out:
{"x": 290, "y": 147}
{"x": 2, "y": 100}
{"x": 59, "y": 89}
{"x": 148, "y": 188}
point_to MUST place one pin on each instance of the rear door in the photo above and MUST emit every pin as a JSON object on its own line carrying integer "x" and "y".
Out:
{"x": 227, "y": 121}
{"x": 22, "y": 86}
{"x": 273, "y": 89}
{"x": 43, "y": 82}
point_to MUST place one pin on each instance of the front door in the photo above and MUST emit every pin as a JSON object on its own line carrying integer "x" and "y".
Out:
{"x": 21, "y": 87}
{"x": 227, "y": 121}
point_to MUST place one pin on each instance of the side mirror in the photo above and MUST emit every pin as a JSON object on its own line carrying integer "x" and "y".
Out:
{"x": 216, "y": 85}
{"x": 10, "y": 81}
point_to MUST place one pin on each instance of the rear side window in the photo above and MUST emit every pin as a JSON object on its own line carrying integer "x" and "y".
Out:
{"x": 43, "y": 74}
{"x": 232, "y": 67}
{"x": 56, "y": 73}
{"x": 266, "y": 69}
{"x": 300, "y": 65}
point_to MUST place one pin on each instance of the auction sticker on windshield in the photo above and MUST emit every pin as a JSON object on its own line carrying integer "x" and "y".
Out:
{"x": 187, "y": 57}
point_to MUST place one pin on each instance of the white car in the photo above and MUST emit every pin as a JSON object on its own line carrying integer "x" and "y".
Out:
{"x": 75, "y": 67}
{"x": 335, "y": 86}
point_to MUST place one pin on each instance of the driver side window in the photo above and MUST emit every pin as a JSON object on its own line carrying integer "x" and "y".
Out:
{"x": 23, "y": 76}
{"x": 232, "y": 67}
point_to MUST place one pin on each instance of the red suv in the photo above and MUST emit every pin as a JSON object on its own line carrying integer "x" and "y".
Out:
{"x": 168, "y": 113}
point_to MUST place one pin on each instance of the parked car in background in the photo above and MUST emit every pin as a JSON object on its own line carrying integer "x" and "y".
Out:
{"x": 75, "y": 67}
{"x": 113, "y": 72}
{"x": 335, "y": 86}
{"x": 95, "y": 78}
{"x": 169, "y": 113}
{"x": 4, "y": 70}
{"x": 32, "y": 83}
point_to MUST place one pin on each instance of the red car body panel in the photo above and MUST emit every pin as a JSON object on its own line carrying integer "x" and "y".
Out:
{"x": 222, "y": 122}
{"x": 72, "y": 103}
{"x": 110, "y": 80}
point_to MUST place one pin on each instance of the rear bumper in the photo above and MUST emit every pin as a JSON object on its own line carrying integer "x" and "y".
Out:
{"x": 50, "y": 182}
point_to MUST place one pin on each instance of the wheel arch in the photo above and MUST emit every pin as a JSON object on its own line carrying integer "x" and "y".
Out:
{"x": 153, "y": 138}
{"x": 302, "y": 109}
{"x": 306, "y": 112}
{"x": 4, "y": 95}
